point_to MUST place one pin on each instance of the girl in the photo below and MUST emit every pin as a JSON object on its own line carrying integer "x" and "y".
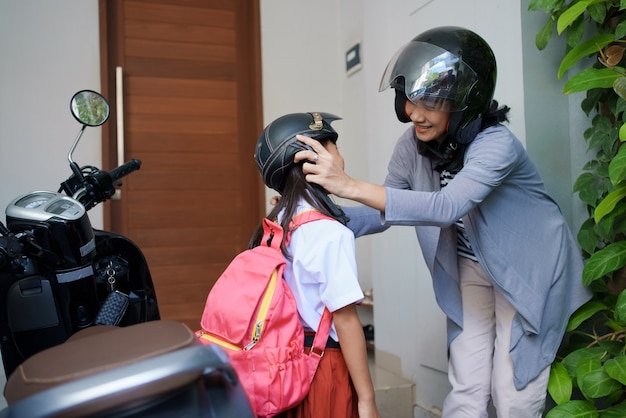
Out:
{"x": 321, "y": 268}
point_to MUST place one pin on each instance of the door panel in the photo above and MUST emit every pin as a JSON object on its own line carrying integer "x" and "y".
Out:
{"x": 192, "y": 114}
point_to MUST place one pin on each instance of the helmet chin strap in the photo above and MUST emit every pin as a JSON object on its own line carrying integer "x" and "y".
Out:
{"x": 451, "y": 157}
{"x": 334, "y": 210}
{"x": 446, "y": 156}
{"x": 466, "y": 134}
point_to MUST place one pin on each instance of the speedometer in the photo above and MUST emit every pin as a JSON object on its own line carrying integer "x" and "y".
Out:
{"x": 35, "y": 203}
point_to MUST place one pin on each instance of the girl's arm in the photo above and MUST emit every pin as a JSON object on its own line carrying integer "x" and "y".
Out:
{"x": 352, "y": 341}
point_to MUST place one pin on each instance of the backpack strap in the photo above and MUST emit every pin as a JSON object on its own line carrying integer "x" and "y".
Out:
{"x": 272, "y": 234}
{"x": 306, "y": 217}
{"x": 321, "y": 336}
{"x": 323, "y": 329}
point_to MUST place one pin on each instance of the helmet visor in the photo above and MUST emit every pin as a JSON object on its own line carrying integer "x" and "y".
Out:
{"x": 430, "y": 76}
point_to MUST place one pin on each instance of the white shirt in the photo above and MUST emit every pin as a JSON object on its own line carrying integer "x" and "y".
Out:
{"x": 323, "y": 270}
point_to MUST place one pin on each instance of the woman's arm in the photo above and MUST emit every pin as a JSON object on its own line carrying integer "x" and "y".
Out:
{"x": 352, "y": 341}
{"x": 489, "y": 161}
{"x": 364, "y": 220}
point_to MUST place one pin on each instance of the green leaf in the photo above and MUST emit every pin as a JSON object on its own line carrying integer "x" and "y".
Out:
{"x": 620, "y": 30}
{"x": 617, "y": 411}
{"x": 597, "y": 12}
{"x": 543, "y": 36}
{"x": 590, "y": 78}
{"x": 575, "y": 358}
{"x": 620, "y": 307}
{"x": 585, "y": 312}
{"x": 612, "y": 347}
{"x": 573, "y": 409}
{"x": 622, "y": 133}
{"x": 585, "y": 185}
{"x": 605, "y": 231}
{"x": 608, "y": 259}
{"x": 619, "y": 86}
{"x": 614, "y": 325}
{"x": 560, "y": 384}
{"x": 616, "y": 368}
{"x": 587, "y": 236}
{"x": 575, "y": 32}
{"x": 598, "y": 383}
{"x": 585, "y": 49}
{"x": 586, "y": 366}
{"x": 620, "y": 106}
{"x": 608, "y": 203}
{"x": 545, "y": 5}
{"x": 571, "y": 14}
{"x": 591, "y": 100}
{"x": 617, "y": 167}
{"x": 587, "y": 239}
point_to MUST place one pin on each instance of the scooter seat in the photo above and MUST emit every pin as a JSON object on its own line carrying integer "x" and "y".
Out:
{"x": 108, "y": 371}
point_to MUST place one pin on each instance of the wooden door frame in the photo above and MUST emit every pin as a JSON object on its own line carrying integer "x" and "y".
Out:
{"x": 250, "y": 102}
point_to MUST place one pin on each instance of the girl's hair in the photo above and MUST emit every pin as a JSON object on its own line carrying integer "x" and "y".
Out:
{"x": 296, "y": 188}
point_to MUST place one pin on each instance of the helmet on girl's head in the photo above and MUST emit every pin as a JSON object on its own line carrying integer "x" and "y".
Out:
{"x": 446, "y": 66}
{"x": 277, "y": 145}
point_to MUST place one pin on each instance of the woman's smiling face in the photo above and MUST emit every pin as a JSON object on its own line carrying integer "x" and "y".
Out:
{"x": 431, "y": 124}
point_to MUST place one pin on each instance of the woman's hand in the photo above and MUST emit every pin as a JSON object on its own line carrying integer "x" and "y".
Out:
{"x": 325, "y": 167}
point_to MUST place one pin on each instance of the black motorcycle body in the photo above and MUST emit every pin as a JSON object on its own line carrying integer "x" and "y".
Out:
{"x": 59, "y": 275}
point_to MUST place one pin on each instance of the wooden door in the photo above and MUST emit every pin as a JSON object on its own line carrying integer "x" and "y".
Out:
{"x": 192, "y": 114}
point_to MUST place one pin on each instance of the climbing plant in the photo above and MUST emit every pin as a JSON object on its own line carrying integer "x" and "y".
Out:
{"x": 588, "y": 377}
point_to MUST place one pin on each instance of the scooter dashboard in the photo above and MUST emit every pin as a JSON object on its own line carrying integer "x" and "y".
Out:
{"x": 41, "y": 206}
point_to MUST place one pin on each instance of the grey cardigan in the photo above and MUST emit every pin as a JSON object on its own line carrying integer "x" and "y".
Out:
{"x": 516, "y": 230}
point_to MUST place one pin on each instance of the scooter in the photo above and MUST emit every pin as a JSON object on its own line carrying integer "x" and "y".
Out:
{"x": 58, "y": 275}
{"x": 79, "y": 314}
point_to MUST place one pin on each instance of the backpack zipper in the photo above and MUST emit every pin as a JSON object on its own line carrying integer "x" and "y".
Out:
{"x": 257, "y": 330}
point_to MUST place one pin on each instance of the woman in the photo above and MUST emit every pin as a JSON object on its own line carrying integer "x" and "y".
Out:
{"x": 506, "y": 269}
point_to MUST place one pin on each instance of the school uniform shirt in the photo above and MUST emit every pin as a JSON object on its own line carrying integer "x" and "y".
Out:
{"x": 514, "y": 227}
{"x": 322, "y": 271}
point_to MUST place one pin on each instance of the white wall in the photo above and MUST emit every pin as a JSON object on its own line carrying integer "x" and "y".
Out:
{"x": 49, "y": 50}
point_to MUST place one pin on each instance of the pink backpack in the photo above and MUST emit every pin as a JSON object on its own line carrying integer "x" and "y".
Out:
{"x": 252, "y": 314}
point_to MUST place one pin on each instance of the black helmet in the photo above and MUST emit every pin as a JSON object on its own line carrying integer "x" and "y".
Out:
{"x": 277, "y": 145}
{"x": 446, "y": 64}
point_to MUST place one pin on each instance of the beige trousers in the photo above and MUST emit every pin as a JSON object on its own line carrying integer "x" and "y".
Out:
{"x": 480, "y": 368}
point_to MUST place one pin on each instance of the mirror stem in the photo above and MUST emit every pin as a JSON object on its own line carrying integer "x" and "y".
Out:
{"x": 75, "y": 168}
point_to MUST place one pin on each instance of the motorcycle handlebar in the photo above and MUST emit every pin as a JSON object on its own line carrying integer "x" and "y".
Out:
{"x": 124, "y": 170}
{"x": 99, "y": 185}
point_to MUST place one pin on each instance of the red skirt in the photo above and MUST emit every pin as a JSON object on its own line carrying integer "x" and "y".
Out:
{"x": 332, "y": 393}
